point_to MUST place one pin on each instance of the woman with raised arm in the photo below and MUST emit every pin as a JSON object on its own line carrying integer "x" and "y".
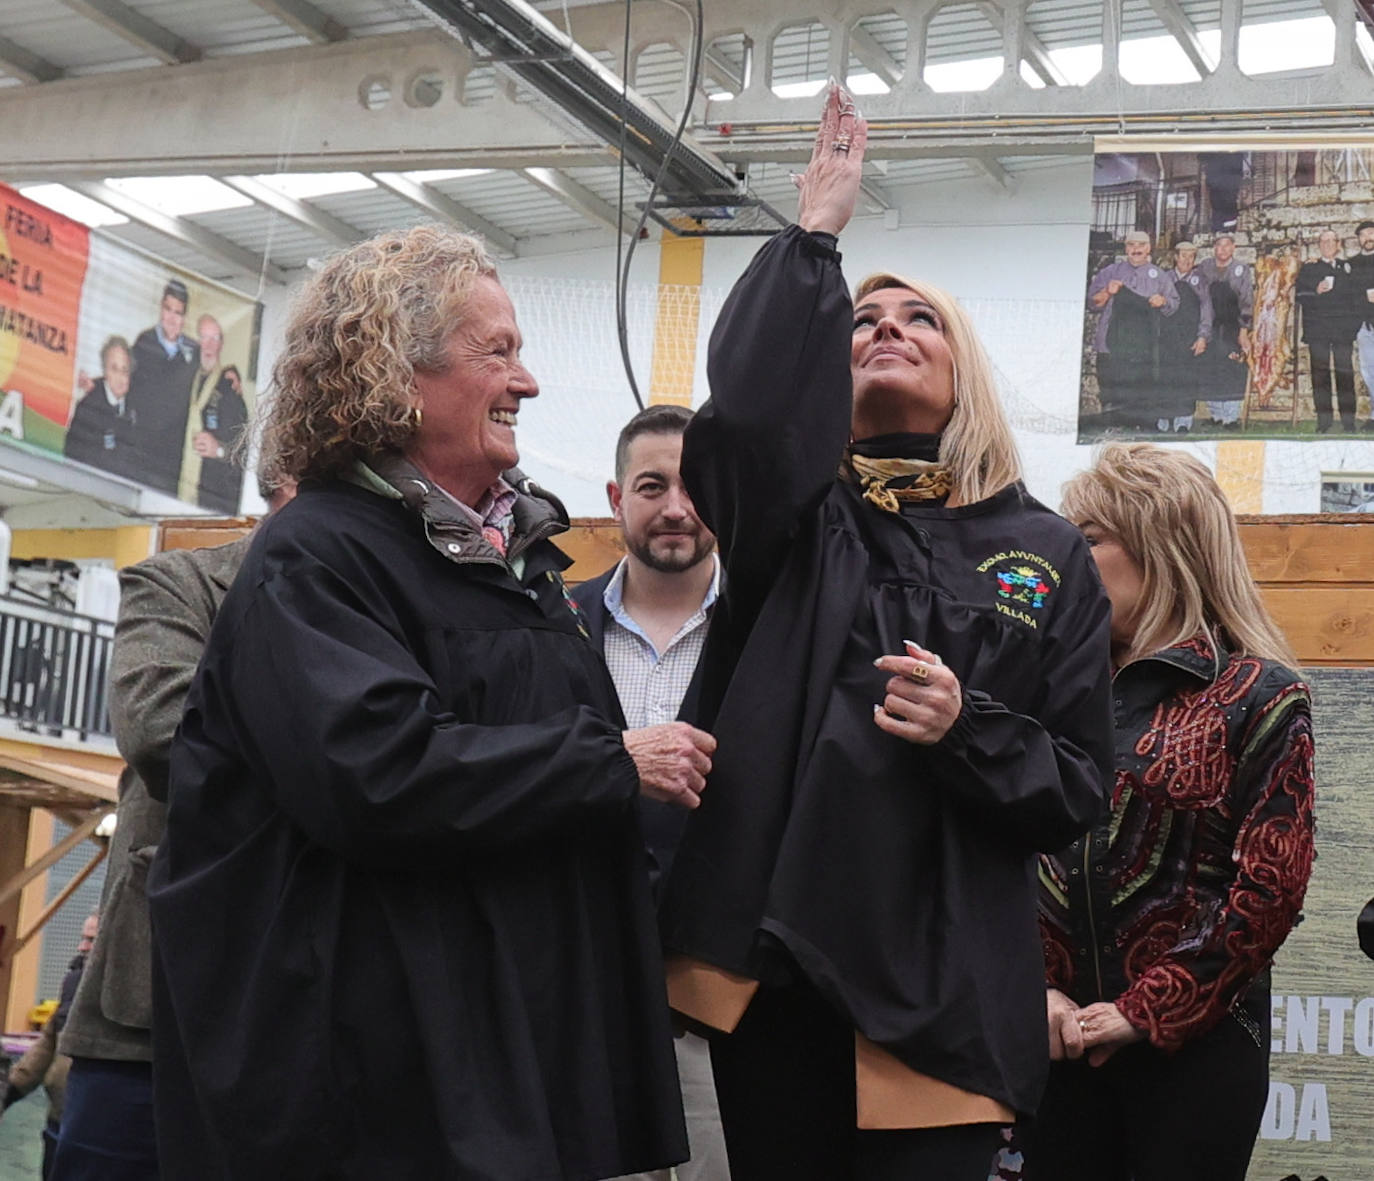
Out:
{"x": 1160, "y": 925}
{"x": 908, "y": 679}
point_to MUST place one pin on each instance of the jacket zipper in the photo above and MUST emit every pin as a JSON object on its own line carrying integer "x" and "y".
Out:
{"x": 1092, "y": 920}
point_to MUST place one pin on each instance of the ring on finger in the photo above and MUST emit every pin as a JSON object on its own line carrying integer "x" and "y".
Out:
{"x": 920, "y": 674}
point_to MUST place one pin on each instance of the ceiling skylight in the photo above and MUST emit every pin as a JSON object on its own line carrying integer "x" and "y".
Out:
{"x": 304, "y": 185}
{"x": 75, "y": 205}
{"x": 180, "y": 196}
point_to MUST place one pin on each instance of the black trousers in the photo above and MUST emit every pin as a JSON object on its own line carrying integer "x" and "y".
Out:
{"x": 1149, "y": 1116}
{"x": 785, "y": 1082}
{"x": 1333, "y": 359}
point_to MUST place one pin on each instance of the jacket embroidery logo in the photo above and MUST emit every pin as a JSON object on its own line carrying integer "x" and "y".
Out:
{"x": 1024, "y": 581}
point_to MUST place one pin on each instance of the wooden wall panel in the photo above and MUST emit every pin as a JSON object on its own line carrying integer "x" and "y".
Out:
{"x": 1316, "y": 572}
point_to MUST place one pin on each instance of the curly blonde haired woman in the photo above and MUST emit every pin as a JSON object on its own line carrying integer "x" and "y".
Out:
{"x": 401, "y": 910}
{"x": 1160, "y": 925}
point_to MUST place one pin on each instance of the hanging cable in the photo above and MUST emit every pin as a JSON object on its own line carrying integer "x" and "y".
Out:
{"x": 623, "y": 266}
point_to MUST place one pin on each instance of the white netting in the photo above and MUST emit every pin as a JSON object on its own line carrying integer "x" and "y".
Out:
{"x": 567, "y": 436}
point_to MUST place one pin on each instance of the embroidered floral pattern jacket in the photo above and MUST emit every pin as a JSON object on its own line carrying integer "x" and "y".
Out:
{"x": 1177, "y": 903}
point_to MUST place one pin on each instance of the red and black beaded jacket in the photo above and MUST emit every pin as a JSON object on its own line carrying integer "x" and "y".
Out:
{"x": 1175, "y": 905}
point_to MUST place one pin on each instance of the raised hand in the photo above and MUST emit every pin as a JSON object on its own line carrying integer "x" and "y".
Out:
{"x": 830, "y": 185}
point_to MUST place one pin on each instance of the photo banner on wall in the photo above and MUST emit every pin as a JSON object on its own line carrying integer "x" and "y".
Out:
{"x": 1229, "y": 294}
{"x": 112, "y": 359}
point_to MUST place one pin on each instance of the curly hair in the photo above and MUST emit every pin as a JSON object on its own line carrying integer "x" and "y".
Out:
{"x": 359, "y": 330}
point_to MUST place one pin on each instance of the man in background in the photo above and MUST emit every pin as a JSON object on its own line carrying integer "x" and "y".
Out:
{"x": 649, "y": 614}
{"x": 1134, "y": 296}
{"x": 165, "y": 362}
{"x": 167, "y": 604}
{"x": 1362, "y": 275}
{"x": 42, "y": 1063}
{"x": 103, "y": 429}
{"x": 217, "y": 401}
{"x": 1231, "y": 284}
{"x": 1331, "y": 318}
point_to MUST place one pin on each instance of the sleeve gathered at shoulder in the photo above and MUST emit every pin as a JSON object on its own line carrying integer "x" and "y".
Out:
{"x": 764, "y": 449}
{"x": 359, "y": 749}
{"x": 1044, "y": 779}
{"x": 1186, "y": 991}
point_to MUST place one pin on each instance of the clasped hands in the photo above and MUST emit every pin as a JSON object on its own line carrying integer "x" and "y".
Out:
{"x": 1098, "y": 1030}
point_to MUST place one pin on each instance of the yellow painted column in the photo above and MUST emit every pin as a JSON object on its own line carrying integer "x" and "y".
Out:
{"x": 132, "y": 543}
{"x": 24, "y": 966}
{"x": 1240, "y": 472}
{"x": 675, "y": 323}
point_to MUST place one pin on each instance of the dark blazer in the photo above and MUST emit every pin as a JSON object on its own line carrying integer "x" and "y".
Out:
{"x": 662, "y": 823}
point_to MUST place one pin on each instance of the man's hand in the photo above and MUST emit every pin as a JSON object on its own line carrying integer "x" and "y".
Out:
{"x": 1066, "y": 1034}
{"x": 1156, "y": 301}
{"x": 923, "y": 697}
{"x": 1105, "y": 1031}
{"x": 206, "y": 445}
{"x": 1244, "y": 340}
{"x": 1199, "y": 346}
{"x": 84, "y": 382}
{"x": 1100, "y": 299}
{"x": 1114, "y": 286}
{"x": 673, "y": 760}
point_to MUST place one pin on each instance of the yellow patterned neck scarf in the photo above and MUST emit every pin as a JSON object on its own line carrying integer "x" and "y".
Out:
{"x": 887, "y": 483}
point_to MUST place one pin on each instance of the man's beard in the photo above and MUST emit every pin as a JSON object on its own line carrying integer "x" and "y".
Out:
{"x": 676, "y": 560}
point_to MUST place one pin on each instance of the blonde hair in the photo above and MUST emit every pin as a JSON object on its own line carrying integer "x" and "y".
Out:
{"x": 359, "y": 330}
{"x": 977, "y": 444}
{"x": 1172, "y": 517}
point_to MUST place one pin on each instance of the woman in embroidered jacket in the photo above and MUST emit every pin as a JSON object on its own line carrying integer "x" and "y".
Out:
{"x": 1160, "y": 925}
{"x": 908, "y": 679}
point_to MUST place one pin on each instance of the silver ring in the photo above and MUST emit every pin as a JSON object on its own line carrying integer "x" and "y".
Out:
{"x": 843, "y": 149}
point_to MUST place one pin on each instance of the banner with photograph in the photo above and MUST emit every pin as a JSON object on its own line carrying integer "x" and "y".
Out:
{"x": 1229, "y": 293}
{"x": 112, "y": 359}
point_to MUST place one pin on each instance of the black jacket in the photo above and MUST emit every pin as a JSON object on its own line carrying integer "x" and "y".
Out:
{"x": 160, "y": 395}
{"x": 900, "y": 879}
{"x": 401, "y": 911}
{"x": 101, "y": 436}
{"x": 662, "y": 823}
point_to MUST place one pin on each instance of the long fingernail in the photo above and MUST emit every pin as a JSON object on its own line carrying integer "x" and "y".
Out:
{"x": 911, "y": 643}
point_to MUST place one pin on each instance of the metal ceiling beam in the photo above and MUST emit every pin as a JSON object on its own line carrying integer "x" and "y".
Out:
{"x": 305, "y": 19}
{"x": 447, "y": 209}
{"x": 993, "y": 168}
{"x": 137, "y": 29}
{"x": 240, "y": 258}
{"x": 25, "y": 65}
{"x": 332, "y": 229}
{"x": 1182, "y": 30}
{"x": 713, "y": 65}
{"x": 864, "y": 46}
{"x": 242, "y": 114}
{"x": 548, "y": 60}
{"x": 580, "y": 198}
{"x": 1033, "y": 50}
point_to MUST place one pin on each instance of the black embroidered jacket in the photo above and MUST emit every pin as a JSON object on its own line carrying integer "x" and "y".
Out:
{"x": 1175, "y": 905}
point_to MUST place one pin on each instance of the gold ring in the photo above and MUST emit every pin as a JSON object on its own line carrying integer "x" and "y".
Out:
{"x": 1083, "y": 1025}
{"x": 920, "y": 674}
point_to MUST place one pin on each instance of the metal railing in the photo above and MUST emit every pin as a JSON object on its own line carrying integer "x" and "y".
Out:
{"x": 54, "y": 669}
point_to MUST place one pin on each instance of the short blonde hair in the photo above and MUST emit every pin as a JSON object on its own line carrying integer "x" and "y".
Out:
{"x": 359, "y": 330}
{"x": 1172, "y": 517}
{"x": 977, "y": 446}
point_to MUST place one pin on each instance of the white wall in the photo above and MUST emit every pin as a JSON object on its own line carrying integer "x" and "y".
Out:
{"x": 1016, "y": 258}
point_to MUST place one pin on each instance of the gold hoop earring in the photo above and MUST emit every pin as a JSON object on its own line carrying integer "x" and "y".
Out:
{"x": 418, "y": 417}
